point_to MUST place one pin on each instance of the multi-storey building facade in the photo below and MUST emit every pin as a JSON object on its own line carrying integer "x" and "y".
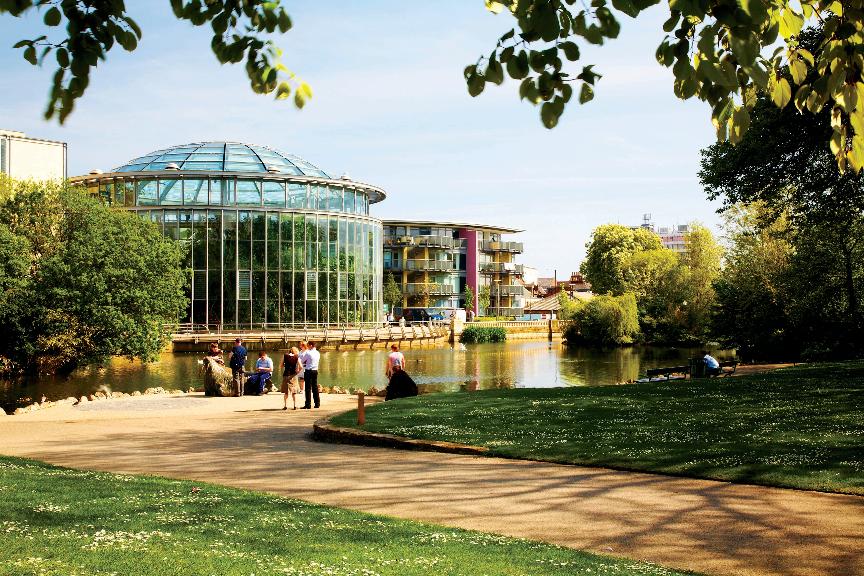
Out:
{"x": 433, "y": 263}
{"x": 27, "y": 158}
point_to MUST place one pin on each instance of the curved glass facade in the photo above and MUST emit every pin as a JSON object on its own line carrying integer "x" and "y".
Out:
{"x": 265, "y": 251}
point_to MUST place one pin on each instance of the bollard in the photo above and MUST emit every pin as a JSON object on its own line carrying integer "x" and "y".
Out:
{"x": 361, "y": 408}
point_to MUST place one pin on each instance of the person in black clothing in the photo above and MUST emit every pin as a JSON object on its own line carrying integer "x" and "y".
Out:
{"x": 238, "y": 365}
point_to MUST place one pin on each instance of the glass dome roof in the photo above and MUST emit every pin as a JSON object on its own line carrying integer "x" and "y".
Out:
{"x": 223, "y": 157}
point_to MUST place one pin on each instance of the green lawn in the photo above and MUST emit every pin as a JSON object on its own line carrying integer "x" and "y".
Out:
{"x": 801, "y": 427}
{"x": 57, "y": 521}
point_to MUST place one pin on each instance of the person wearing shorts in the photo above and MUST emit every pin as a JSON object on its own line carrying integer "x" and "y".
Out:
{"x": 291, "y": 367}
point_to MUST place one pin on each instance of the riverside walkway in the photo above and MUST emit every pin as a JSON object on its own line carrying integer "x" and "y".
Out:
{"x": 249, "y": 442}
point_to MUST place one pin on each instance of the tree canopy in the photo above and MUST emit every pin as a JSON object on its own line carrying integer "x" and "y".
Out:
{"x": 722, "y": 52}
{"x": 82, "y": 281}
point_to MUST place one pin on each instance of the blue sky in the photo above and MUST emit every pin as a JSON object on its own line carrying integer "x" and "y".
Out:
{"x": 390, "y": 108}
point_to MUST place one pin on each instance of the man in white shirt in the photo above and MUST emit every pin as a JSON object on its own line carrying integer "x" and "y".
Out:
{"x": 310, "y": 359}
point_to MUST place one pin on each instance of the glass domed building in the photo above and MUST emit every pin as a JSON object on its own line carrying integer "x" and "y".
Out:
{"x": 272, "y": 241}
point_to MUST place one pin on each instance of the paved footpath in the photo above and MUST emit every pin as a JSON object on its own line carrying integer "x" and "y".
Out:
{"x": 710, "y": 527}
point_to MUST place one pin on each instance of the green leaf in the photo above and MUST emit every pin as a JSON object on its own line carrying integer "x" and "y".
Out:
{"x": 586, "y": 94}
{"x": 494, "y": 72}
{"x": 30, "y": 54}
{"x": 571, "y": 51}
{"x": 627, "y": 7}
{"x": 549, "y": 115}
{"x": 52, "y": 16}
{"x": 62, "y": 57}
{"x": 745, "y": 47}
{"x": 790, "y": 23}
{"x": 738, "y": 124}
{"x": 781, "y": 93}
{"x": 847, "y": 98}
{"x": 756, "y": 9}
{"x": 798, "y": 69}
{"x": 476, "y": 83}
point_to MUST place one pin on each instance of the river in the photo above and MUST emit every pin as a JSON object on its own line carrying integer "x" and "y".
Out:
{"x": 520, "y": 364}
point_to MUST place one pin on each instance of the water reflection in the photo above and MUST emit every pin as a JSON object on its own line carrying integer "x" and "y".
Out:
{"x": 532, "y": 364}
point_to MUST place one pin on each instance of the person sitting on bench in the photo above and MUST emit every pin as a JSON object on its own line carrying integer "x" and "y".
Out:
{"x": 712, "y": 366}
{"x": 264, "y": 369}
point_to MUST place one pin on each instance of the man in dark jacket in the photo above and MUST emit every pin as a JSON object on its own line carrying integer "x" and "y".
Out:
{"x": 238, "y": 365}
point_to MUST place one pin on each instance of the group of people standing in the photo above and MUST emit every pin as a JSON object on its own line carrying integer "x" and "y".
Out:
{"x": 300, "y": 373}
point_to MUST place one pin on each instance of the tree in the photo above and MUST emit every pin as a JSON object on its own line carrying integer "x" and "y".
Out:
{"x": 701, "y": 261}
{"x": 101, "y": 282}
{"x": 718, "y": 52}
{"x": 604, "y": 321}
{"x": 609, "y": 252}
{"x": 469, "y": 299}
{"x": 782, "y": 166}
{"x": 392, "y": 292}
{"x": 484, "y": 299}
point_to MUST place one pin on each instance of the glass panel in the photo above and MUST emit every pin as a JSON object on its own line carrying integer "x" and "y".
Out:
{"x": 146, "y": 192}
{"x": 130, "y": 192}
{"x": 202, "y": 166}
{"x": 335, "y": 199}
{"x": 274, "y": 194}
{"x": 244, "y": 167}
{"x": 199, "y": 240}
{"x": 131, "y": 168}
{"x": 171, "y": 191}
{"x": 173, "y": 157}
{"x": 119, "y": 193}
{"x": 195, "y": 191}
{"x": 297, "y": 195}
{"x": 205, "y": 157}
{"x": 248, "y": 193}
{"x": 311, "y": 285}
{"x": 349, "y": 201}
{"x": 244, "y": 285}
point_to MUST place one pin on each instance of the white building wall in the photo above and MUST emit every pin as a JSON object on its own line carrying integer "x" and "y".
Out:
{"x": 30, "y": 158}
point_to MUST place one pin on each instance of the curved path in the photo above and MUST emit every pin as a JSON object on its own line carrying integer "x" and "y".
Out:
{"x": 249, "y": 442}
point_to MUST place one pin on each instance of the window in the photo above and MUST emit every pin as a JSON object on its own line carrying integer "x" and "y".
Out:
{"x": 248, "y": 193}
{"x": 195, "y": 192}
{"x": 244, "y": 285}
{"x": 311, "y": 285}
{"x": 171, "y": 191}
{"x": 297, "y": 195}
{"x": 146, "y": 192}
{"x": 274, "y": 194}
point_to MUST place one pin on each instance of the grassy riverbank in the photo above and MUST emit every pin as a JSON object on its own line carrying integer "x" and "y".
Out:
{"x": 799, "y": 427}
{"x": 57, "y": 521}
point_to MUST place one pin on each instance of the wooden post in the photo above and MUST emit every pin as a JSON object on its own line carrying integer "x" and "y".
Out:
{"x": 361, "y": 408}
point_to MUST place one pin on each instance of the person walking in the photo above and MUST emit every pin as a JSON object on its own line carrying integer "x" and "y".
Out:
{"x": 238, "y": 365}
{"x": 291, "y": 367}
{"x": 311, "y": 358}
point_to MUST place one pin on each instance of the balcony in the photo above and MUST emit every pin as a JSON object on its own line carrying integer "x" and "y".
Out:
{"x": 429, "y": 289}
{"x": 424, "y": 241}
{"x": 437, "y": 242}
{"x": 512, "y": 247}
{"x": 495, "y": 311}
{"x": 398, "y": 241}
{"x": 504, "y": 290}
{"x": 501, "y": 268}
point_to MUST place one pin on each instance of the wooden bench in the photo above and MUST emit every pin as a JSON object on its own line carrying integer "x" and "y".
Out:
{"x": 668, "y": 371}
{"x": 728, "y": 367}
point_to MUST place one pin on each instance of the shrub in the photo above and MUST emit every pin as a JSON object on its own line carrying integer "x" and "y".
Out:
{"x": 481, "y": 335}
{"x": 604, "y": 321}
